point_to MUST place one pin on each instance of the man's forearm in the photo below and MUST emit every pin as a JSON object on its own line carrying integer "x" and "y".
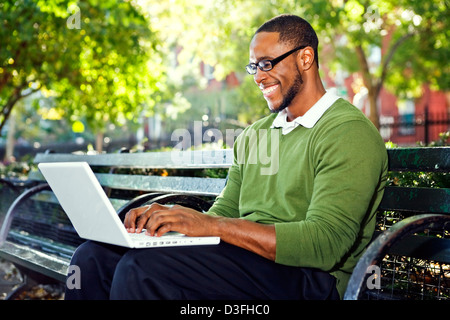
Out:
{"x": 255, "y": 237}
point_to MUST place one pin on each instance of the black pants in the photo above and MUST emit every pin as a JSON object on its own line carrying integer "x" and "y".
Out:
{"x": 218, "y": 272}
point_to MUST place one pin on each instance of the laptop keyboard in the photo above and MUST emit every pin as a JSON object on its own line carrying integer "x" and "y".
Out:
{"x": 139, "y": 236}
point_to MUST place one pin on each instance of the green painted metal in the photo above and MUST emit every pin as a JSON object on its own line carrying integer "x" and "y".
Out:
{"x": 435, "y": 159}
{"x": 416, "y": 200}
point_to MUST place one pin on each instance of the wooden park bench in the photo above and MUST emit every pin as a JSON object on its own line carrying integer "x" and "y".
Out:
{"x": 410, "y": 246}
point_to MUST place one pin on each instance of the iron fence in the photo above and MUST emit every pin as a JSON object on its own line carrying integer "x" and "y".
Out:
{"x": 413, "y": 128}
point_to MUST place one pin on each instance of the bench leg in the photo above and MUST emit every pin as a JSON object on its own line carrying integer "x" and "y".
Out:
{"x": 30, "y": 279}
{"x": 26, "y": 284}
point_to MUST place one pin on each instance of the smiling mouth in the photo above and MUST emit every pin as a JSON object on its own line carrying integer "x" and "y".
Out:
{"x": 269, "y": 90}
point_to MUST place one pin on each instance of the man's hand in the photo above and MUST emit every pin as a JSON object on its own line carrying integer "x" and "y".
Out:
{"x": 159, "y": 219}
{"x": 136, "y": 218}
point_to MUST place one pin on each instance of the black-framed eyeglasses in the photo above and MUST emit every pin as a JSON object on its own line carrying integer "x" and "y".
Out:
{"x": 267, "y": 65}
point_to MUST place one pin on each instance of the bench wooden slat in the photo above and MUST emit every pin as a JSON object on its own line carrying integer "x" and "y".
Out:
{"x": 167, "y": 160}
{"x": 49, "y": 196}
{"x": 423, "y": 200}
{"x": 183, "y": 185}
{"x": 35, "y": 260}
{"x": 433, "y": 159}
{"x": 169, "y": 184}
{"x": 56, "y": 248}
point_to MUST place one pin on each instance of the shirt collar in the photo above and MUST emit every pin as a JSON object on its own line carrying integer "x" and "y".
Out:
{"x": 309, "y": 119}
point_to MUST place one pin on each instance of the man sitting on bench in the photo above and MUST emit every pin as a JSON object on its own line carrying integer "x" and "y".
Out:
{"x": 293, "y": 228}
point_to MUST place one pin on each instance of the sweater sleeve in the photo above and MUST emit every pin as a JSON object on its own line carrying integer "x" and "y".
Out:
{"x": 227, "y": 203}
{"x": 349, "y": 162}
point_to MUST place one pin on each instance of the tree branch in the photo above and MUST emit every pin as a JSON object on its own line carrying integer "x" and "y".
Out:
{"x": 389, "y": 57}
{"x": 15, "y": 96}
{"x": 364, "y": 67}
{"x": 4, "y": 79}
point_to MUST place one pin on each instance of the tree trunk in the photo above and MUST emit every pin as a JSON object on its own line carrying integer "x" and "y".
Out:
{"x": 371, "y": 86}
{"x": 10, "y": 140}
{"x": 99, "y": 142}
{"x": 373, "y": 115}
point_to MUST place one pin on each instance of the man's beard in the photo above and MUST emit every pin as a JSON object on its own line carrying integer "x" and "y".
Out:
{"x": 291, "y": 94}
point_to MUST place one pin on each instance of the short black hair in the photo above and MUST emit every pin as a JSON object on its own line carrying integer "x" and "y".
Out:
{"x": 294, "y": 30}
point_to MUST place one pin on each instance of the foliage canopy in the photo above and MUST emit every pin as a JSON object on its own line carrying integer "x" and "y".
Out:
{"x": 110, "y": 61}
{"x": 96, "y": 59}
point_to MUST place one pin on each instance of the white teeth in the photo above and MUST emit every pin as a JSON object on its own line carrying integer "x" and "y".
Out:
{"x": 269, "y": 89}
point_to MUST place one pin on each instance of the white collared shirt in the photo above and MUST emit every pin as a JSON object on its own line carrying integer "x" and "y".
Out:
{"x": 309, "y": 119}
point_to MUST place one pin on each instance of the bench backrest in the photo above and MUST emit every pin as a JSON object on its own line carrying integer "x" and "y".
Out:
{"x": 418, "y": 199}
{"x": 175, "y": 160}
{"x": 411, "y": 245}
{"x": 124, "y": 176}
{"x": 399, "y": 198}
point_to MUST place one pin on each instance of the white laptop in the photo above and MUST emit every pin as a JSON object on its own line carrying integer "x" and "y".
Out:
{"x": 92, "y": 214}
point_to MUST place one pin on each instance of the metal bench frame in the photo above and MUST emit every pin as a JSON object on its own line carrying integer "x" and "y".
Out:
{"x": 429, "y": 209}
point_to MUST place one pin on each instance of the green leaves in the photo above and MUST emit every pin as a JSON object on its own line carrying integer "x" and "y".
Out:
{"x": 99, "y": 67}
{"x": 108, "y": 65}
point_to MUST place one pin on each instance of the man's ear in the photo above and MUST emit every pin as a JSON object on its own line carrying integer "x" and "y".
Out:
{"x": 306, "y": 58}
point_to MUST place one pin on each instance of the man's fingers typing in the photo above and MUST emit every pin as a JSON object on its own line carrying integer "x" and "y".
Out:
{"x": 136, "y": 219}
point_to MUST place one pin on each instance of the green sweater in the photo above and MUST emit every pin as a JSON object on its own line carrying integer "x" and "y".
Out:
{"x": 319, "y": 186}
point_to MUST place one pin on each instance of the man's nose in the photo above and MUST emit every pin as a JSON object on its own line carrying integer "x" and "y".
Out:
{"x": 259, "y": 76}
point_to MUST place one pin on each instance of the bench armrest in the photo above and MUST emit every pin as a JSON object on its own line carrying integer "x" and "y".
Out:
{"x": 390, "y": 239}
{"x": 12, "y": 209}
